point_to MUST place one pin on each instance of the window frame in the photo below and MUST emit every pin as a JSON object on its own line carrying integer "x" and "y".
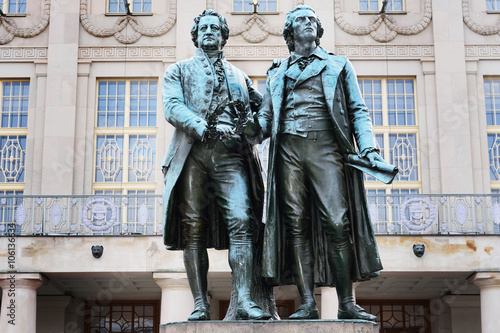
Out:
{"x": 491, "y": 130}
{"x": 133, "y": 303}
{"x": 379, "y": 7}
{"x": 386, "y": 130}
{"x": 11, "y": 132}
{"x": 276, "y": 12}
{"x": 5, "y": 5}
{"x": 493, "y": 11}
{"x": 108, "y": 13}
{"x": 124, "y": 186}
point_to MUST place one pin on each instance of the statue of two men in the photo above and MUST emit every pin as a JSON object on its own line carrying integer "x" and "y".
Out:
{"x": 317, "y": 222}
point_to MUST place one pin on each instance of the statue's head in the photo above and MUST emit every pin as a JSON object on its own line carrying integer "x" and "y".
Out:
{"x": 97, "y": 251}
{"x": 210, "y": 30}
{"x": 295, "y": 19}
{"x": 418, "y": 249}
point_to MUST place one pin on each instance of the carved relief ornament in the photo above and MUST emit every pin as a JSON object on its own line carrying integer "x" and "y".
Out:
{"x": 259, "y": 21}
{"x": 393, "y": 29}
{"x": 484, "y": 30}
{"x": 122, "y": 22}
{"x": 13, "y": 31}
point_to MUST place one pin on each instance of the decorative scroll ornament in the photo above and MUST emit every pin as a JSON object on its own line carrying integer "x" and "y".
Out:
{"x": 389, "y": 22}
{"x": 56, "y": 215}
{"x": 495, "y": 213}
{"x": 122, "y": 22}
{"x": 255, "y": 19}
{"x": 417, "y": 214}
{"x": 21, "y": 214}
{"x": 97, "y": 219}
{"x": 143, "y": 214}
{"x": 13, "y": 31}
{"x": 484, "y": 30}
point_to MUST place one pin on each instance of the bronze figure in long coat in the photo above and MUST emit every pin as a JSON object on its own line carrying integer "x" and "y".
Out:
{"x": 312, "y": 98}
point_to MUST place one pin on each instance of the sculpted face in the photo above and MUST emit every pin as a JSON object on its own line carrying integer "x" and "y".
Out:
{"x": 209, "y": 33}
{"x": 305, "y": 26}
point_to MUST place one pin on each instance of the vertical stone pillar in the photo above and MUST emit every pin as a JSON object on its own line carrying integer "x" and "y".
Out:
{"x": 455, "y": 146}
{"x": 176, "y": 298}
{"x": 59, "y": 121}
{"x": 329, "y": 303}
{"x": 489, "y": 289}
{"x": 18, "y": 308}
{"x": 429, "y": 133}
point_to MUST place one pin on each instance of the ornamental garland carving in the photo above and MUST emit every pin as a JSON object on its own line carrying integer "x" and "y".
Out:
{"x": 244, "y": 30}
{"x": 13, "y": 31}
{"x": 393, "y": 28}
{"x": 484, "y": 30}
{"x": 255, "y": 19}
{"x": 122, "y": 22}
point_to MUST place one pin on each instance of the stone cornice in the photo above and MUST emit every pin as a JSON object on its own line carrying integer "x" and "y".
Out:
{"x": 139, "y": 53}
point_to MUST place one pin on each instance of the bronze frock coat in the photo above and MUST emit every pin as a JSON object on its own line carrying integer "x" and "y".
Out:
{"x": 352, "y": 127}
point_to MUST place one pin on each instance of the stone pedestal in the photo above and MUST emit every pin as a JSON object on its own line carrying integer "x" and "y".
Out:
{"x": 273, "y": 326}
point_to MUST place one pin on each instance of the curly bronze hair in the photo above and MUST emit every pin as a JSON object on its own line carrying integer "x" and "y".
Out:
{"x": 288, "y": 28}
{"x": 223, "y": 23}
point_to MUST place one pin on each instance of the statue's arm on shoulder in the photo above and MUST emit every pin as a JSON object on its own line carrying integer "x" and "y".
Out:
{"x": 174, "y": 107}
{"x": 266, "y": 110}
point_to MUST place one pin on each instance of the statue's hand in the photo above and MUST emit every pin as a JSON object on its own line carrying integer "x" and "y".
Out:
{"x": 225, "y": 131}
{"x": 374, "y": 157}
{"x": 252, "y": 127}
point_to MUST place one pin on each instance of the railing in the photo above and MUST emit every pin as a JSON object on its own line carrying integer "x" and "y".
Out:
{"x": 142, "y": 214}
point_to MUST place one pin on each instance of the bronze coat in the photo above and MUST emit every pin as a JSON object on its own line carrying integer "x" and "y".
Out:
{"x": 352, "y": 126}
{"x": 187, "y": 93}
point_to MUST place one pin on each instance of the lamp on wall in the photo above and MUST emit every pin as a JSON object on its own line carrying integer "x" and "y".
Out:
{"x": 418, "y": 249}
{"x": 97, "y": 251}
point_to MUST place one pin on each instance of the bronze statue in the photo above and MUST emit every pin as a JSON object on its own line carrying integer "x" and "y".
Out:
{"x": 317, "y": 218}
{"x": 213, "y": 191}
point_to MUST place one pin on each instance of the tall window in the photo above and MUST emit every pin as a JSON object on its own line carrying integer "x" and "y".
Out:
{"x": 125, "y": 136}
{"x": 245, "y": 6}
{"x": 13, "y": 131}
{"x": 400, "y": 316}
{"x": 392, "y": 106}
{"x": 136, "y": 6}
{"x": 492, "y": 108}
{"x": 376, "y": 6}
{"x": 13, "y": 6}
{"x": 493, "y": 5}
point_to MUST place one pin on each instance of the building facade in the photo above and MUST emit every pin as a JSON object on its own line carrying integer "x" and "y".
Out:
{"x": 82, "y": 137}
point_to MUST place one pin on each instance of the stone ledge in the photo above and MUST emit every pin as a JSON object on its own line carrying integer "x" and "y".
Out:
{"x": 272, "y": 326}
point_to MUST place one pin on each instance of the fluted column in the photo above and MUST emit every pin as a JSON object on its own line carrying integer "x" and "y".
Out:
{"x": 176, "y": 298}
{"x": 489, "y": 289}
{"x": 18, "y": 308}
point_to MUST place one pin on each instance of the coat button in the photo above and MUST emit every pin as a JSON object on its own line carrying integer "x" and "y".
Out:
{"x": 346, "y": 125}
{"x": 208, "y": 72}
{"x": 206, "y": 101}
{"x": 207, "y": 91}
{"x": 190, "y": 141}
{"x": 338, "y": 99}
{"x": 210, "y": 82}
{"x": 342, "y": 111}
